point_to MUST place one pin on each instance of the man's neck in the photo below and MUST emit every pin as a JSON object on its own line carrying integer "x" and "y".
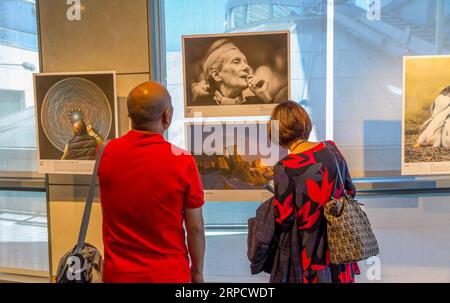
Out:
{"x": 149, "y": 130}
{"x": 145, "y": 131}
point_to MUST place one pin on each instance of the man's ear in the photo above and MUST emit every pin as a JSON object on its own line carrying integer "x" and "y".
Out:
{"x": 215, "y": 75}
{"x": 167, "y": 116}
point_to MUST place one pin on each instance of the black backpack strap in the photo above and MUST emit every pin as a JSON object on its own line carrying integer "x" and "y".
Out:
{"x": 89, "y": 200}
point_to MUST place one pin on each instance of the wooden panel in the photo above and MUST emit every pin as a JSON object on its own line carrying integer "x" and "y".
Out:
{"x": 65, "y": 221}
{"x": 125, "y": 83}
{"x": 124, "y": 121}
{"x": 111, "y": 35}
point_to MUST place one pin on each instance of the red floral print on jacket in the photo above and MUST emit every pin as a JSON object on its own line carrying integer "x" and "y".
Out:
{"x": 304, "y": 183}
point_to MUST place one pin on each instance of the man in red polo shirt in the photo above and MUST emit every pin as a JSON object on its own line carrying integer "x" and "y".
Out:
{"x": 148, "y": 189}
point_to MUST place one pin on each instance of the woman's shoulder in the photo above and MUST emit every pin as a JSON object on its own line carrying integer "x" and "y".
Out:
{"x": 292, "y": 164}
{"x": 280, "y": 167}
{"x": 333, "y": 148}
{"x": 297, "y": 160}
{"x": 280, "y": 163}
{"x": 288, "y": 157}
{"x": 330, "y": 143}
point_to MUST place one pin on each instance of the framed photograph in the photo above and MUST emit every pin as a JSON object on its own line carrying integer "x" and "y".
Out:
{"x": 426, "y": 116}
{"x": 239, "y": 74}
{"x": 235, "y": 159}
{"x": 75, "y": 113}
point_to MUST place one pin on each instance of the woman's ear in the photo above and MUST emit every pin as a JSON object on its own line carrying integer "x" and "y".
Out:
{"x": 216, "y": 76}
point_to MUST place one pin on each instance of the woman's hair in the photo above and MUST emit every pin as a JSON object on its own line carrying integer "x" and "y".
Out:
{"x": 214, "y": 59}
{"x": 294, "y": 122}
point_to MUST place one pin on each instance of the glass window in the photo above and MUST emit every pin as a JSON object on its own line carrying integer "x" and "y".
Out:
{"x": 411, "y": 230}
{"x": 11, "y": 101}
{"x": 257, "y": 12}
{"x": 308, "y": 52}
{"x": 364, "y": 4}
{"x": 308, "y": 73}
{"x": 412, "y": 233}
{"x": 367, "y": 101}
{"x": 230, "y": 213}
{"x": 23, "y": 232}
{"x": 285, "y": 11}
{"x": 238, "y": 16}
{"x": 18, "y": 61}
{"x": 368, "y": 79}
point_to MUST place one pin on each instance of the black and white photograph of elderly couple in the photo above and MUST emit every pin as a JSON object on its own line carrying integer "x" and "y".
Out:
{"x": 243, "y": 74}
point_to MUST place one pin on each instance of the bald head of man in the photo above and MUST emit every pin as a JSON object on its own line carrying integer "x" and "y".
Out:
{"x": 150, "y": 107}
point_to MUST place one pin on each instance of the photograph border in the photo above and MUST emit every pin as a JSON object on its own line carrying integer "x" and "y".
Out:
{"x": 418, "y": 168}
{"x": 236, "y": 195}
{"x": 230, "y": 110}
{"x": 73, "y": 167}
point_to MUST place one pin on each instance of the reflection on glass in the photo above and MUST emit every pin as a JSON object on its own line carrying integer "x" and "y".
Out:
{"x": 238, "y": 16}
{"x": 18, "y": 59}
{"x": 368, "y": 75}
{"x": 286, "y": 10}
{"x": 307, "y": 45}
{"x": 23, "y": 226}
{"x": 258, "y": 12}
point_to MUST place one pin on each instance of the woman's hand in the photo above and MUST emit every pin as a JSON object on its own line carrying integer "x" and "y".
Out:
{"x": 260, "y": 87}
{"x": 199, "y": 90}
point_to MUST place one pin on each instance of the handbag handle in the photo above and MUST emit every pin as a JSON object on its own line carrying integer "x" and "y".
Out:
{"x": 342, "y": 182}
{"x": 339, "y": 176}
{"x": 89, "y": 200}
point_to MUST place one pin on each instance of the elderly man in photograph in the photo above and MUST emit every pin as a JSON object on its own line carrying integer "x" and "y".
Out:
{"x": 149, "y": 189}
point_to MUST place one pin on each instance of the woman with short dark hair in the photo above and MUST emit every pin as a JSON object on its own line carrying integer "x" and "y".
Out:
{"x": 304, "y": 183}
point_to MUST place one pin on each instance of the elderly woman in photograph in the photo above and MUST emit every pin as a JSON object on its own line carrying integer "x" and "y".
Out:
{"x": 303, "y": 183}
{"x": 226, "y": 75}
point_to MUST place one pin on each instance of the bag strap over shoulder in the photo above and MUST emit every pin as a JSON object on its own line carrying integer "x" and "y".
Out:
{"x": 339, "y": 174}
{"x": 89, "y": 200}
{"x": 341, "y": 179}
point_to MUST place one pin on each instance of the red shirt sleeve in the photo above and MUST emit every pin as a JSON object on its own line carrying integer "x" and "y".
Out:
{"x": 194, "y": 197}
